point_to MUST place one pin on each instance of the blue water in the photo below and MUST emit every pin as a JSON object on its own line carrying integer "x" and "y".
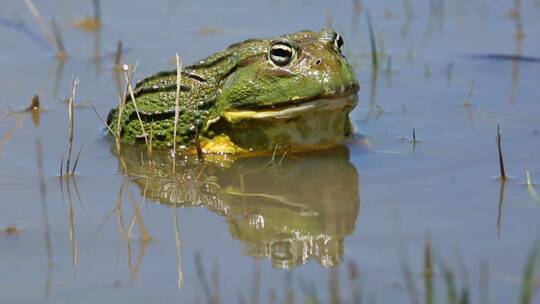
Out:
{"x": 443, "y": 186}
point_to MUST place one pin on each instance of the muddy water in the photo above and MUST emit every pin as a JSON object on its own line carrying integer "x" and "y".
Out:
{"x": 278, "y": 229}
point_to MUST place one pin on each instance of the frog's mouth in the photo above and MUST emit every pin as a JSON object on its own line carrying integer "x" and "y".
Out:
{"x": 294, "y": 109}
{"x": 314, "y": 124}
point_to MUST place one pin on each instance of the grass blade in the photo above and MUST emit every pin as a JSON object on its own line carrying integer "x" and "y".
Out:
{"x": 374, "y": 59}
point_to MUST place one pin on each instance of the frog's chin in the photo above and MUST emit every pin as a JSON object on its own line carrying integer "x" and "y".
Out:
{"x": 311, "y": 125}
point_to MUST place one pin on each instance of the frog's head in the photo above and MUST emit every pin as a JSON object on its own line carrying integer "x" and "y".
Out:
{"x": 295, "y": 90}
{"x": 289, "y": 70}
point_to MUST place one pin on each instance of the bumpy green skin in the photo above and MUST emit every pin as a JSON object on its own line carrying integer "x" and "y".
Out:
{"x": 238, "y": 78}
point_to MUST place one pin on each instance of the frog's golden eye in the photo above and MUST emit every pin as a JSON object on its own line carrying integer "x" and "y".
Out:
{"x": 338, "y": 42}
{"x": 281, "y": 53}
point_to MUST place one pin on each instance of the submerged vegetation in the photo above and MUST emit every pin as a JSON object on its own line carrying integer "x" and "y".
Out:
{"x": 441, "y": 283}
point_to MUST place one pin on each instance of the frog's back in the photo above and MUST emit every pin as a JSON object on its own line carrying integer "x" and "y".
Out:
{"x": 155, "y": 97}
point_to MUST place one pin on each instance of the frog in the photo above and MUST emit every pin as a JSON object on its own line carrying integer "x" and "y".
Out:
{"x": 293, "y": 91}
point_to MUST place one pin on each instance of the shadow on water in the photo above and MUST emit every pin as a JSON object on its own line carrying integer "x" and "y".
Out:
{"x": 288, "y": 210}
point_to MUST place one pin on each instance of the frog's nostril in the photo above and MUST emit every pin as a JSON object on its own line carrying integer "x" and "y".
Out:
{"x": 318, "y": 62}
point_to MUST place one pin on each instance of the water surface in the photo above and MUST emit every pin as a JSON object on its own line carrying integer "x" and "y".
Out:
{"x": 274, "y": 229}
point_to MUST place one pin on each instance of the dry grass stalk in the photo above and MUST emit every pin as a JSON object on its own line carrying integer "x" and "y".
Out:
{"x": 72, "y": 237}
{"x": 501, "y": 158}
{"x": 116, "y": 139}
{"x": 103, "y": 122}
{"x": 76, "y": 161}
{"x": 122, "y": 99}
{"x": 62, "y": 166}
{"x": 74, "y": 84}
{"x": 132, "y": 95}
{"x": 502, "y": 185}
{"x": 145, "y": 236}
{"x": 176, "y": 107}
{"x": 41, "y": 23}
{"x": 121, "y": 227}
{"x": 178, "y": 248}
{"x": 150, "y": 145}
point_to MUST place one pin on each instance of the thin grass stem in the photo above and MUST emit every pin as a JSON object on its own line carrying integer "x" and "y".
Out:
{"x": 176, "y": 107}
{"x": 374, "y": 58}
{"x": 132, "y": 95}
{"x": 71, "y": 118}
{"x": 501, "y": 158}
{"x": 76, "y": 160}
{"x": 41, "y": 23}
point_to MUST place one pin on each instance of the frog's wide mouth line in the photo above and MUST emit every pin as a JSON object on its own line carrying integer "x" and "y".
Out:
{"x": 294, "y": 110}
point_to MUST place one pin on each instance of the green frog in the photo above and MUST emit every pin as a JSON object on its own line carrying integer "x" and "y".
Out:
{"x": 294, "y": 91}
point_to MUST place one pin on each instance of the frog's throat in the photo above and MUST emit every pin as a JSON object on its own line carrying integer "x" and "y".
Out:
{"x": 312, "y": 125}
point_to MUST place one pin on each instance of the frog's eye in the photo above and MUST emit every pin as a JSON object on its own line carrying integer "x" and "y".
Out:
{"x": 281, "y": 53}
{"x": 338, "y": 42}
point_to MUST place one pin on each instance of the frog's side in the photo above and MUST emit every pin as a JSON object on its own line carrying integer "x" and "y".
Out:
{"x": 294, "y": 91}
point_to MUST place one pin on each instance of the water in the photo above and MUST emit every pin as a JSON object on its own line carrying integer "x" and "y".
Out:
{"x": 350, "y": 207}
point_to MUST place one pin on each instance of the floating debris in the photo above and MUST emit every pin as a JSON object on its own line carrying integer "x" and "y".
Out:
{"x": 34, "y": 104}
{"x": 91, "y": 24}
{"x": 208, "y": 30}
{"x": 11, "y": 229}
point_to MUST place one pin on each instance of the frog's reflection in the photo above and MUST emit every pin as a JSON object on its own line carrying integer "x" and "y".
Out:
{"x": 288, "y": 210}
